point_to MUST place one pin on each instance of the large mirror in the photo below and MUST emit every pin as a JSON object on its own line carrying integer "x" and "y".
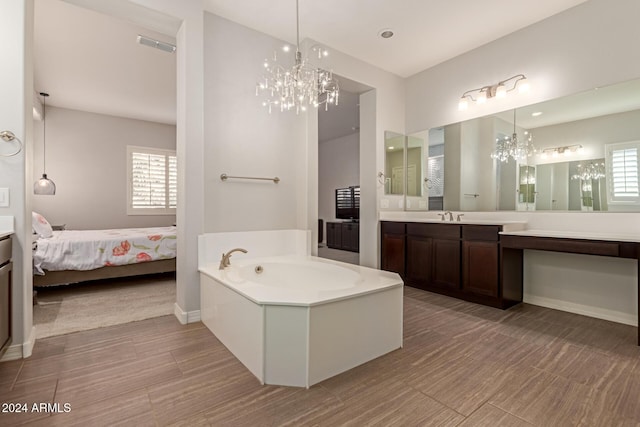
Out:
{"x": 414, "y": 168}
{"x": 587, "y": 156}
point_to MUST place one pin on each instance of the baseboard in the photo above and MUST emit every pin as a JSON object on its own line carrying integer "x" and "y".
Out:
{"x": 185, "y": 317}
{"x": 585, "y": 310}
{"x": 20, "y": 351}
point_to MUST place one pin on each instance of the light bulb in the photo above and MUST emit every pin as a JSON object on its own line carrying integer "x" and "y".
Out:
{"x": 463, "y": 104}
{"x": 482, "y": 98}
{"x": 501, "y": 91}
{"x": 523, "y": 85}
{"x": 286, "y": 48}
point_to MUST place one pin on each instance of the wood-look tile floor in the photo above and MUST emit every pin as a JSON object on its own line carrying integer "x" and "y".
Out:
{"x": 461, "y": 365}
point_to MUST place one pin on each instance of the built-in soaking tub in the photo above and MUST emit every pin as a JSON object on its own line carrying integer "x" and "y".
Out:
{"x": 296, "y": 320}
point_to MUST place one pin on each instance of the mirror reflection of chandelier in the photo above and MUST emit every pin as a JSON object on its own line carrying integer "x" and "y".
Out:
{"x": 300, "y": 85}
{"x": 513, "y": 147}
{"x": 589, "y": 170}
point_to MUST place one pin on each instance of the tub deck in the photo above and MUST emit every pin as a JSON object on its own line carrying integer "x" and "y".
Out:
{"x": 294, "y": 336}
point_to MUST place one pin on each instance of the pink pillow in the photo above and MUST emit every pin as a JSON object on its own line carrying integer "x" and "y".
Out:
{"x": 41, "y": 226}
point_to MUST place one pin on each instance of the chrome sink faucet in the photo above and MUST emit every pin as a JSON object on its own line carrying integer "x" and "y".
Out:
{"x": 450, "y": 215}
{"x": 225, "y": 261}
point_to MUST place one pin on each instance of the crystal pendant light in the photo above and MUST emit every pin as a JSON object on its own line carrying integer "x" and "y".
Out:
{"x": 299, "y": 86}
{"x": 513, "y": 147}
{"x": 44, "y": 186}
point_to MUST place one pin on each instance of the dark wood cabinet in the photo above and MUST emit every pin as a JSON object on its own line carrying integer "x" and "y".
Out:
{"x": 433, "y": 256}
{"x": 344, "y": 236}
{"x": 5, "y": 294}
{"x": 392, "y": 248}
{"x": 481, "y": 260}
{"x": 480, "y": 274}
{"x": 446, "y": 264}
{"x": 418, "y": 261}
{"x": 459, "y": 260}
{"x": 334, "y": 235}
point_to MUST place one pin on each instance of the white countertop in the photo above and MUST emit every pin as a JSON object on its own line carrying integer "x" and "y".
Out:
{"x": 6, "y": 226}
{"x": 586, "y": 235}
{"x": 429, "y": 217}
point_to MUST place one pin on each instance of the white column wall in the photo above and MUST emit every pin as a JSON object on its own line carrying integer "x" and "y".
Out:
{"x": 16, "y": 93}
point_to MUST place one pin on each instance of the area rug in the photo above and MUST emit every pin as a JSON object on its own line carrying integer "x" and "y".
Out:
{"x": 64, "y": 309}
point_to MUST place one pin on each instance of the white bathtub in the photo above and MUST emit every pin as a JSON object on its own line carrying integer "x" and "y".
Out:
{"x": 303, "y": 319}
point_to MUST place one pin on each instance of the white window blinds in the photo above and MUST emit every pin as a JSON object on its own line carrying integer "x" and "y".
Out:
{"x": 152, "y": 181}
{"x": 622, "y": 170}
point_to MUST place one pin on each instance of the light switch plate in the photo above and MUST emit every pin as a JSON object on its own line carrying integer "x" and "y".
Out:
{"x": 4, "y": 197}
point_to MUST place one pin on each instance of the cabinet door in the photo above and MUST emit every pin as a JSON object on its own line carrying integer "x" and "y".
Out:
{"x": 480, "y": 267}
{"x": 334, "y": 235}
{"x": 446, "y": 264}
{"x": 392, "y": 252}
{"x": 419, "y": 261}
{"x": 5, "y": 305}
{"x": 350, "y": 237}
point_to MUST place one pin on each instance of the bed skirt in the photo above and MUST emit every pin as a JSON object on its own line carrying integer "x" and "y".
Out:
{"x": 52, "y": 278}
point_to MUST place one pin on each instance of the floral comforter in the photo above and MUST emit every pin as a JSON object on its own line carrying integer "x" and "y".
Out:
{"x": 91, "y": 249}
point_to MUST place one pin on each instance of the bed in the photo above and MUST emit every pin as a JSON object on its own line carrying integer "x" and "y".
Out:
{"x": 71, "y": 256}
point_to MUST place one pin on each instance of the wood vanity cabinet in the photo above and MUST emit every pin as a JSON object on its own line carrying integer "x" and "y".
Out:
{"x": 392, "y": 249}
{"x": 459, "y": 260}
{"x": 481, "y": 260}
{"x": 433, "y": 256}
{"x": 5, "y": 293}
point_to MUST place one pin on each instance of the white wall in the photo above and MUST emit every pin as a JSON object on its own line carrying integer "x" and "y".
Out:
{"x": 243, "y": 139}
{"x": 381, "y": 109}
{"x": 588, "y": 46}
{"x": 83, "y": 148}
{"x": 338, "y": 167}
{"x": 16, "y": 93}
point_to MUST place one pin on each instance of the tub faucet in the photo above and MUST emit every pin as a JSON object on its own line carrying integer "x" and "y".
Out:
{"x": 225, "y": 261}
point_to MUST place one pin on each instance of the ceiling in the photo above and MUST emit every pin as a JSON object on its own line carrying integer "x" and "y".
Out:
{"x": 427, "y": 32}
{"x": 89, "y": 61}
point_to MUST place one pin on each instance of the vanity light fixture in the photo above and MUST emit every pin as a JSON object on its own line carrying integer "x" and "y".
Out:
{"x": 498, "y": 90}
{"x": 44, "y": 186}
{"x": 567, "y": 150}
{"x": 299, "y": 86}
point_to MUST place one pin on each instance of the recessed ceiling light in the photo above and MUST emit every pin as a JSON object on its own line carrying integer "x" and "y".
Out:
{"x": 536, "y": 114}
{"x": 386, "y": 33}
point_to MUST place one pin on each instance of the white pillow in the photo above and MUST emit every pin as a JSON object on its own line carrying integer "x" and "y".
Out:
{"x": 41, "y": 226}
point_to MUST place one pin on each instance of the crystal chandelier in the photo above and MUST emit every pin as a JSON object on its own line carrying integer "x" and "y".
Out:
{"x": 300, "y": 85}
{"x": 513, "y": 147}
{"x": 590, "y": 171}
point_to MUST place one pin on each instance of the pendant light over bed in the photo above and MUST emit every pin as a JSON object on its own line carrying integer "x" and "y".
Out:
{"x": 44, "y": 186}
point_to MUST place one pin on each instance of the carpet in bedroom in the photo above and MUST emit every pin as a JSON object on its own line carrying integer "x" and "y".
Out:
{"x": 64, "y": 309}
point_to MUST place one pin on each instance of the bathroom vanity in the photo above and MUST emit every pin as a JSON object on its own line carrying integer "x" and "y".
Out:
{"x": 513, "y": 243}
{"x": 461, "y": 259}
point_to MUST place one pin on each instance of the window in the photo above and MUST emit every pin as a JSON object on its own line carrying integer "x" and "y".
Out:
{"x": 152, "y": 181}
{"x": 622, "y": 173}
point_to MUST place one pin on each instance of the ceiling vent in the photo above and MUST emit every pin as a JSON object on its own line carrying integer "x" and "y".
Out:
{"x": 148, "y": 41}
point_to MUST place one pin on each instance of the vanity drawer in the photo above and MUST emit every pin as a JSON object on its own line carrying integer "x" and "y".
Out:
{"x": 443, "y": 231}
{"x": 5, "y": 250}
{"x": 481, "y": 232}
{"x": 393, "y": 227}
